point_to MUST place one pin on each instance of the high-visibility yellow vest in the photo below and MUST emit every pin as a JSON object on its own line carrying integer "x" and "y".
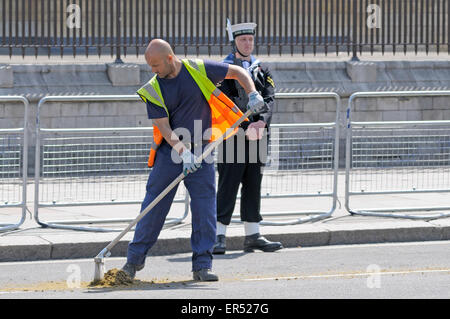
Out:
{"x": 224, "y": 113}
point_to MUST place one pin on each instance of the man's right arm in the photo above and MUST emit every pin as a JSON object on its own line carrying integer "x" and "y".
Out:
{"x": 159, "y": 117}
{"x": 168, "y": 134}
{"x": 190, "y": 164}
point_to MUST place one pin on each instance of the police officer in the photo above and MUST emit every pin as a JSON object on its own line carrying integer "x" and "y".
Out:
{"x": 238, "y": 168}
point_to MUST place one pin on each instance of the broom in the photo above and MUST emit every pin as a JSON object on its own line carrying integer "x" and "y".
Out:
{"x": 106, "y": 252}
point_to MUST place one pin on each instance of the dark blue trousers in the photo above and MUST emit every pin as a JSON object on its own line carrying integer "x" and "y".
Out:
{"x": 202, "y": 190}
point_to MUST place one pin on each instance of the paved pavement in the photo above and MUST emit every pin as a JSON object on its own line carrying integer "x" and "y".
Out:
{"x": 388, "y": 271}
{"x": 33, "y": 242}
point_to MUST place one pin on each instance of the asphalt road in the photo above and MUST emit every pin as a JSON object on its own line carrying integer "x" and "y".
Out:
{"x": 397, "y": 270}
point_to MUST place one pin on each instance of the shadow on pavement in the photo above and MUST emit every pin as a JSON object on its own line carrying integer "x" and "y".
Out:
{"x": 152, "y": 285}
{"x": 224, "y": 256}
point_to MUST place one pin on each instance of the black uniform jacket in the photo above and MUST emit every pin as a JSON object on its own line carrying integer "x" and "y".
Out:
{"x": 264, "y": 85}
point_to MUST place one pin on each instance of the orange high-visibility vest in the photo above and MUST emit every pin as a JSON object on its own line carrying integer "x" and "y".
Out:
{"x": 224, "y": 113}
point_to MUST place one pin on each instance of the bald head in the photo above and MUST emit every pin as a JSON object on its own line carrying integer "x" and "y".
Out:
{"x": 158, "y": 47}
{"x": 160, "y": 57}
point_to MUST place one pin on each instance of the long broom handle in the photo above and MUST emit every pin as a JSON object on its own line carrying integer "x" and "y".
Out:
{"x": 175, "y": 182}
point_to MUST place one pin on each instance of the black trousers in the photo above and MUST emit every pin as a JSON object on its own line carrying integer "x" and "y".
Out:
{"x": 232, "y": 173}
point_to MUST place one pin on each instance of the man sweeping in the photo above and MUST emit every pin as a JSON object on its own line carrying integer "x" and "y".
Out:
{"x": 187, "y": 112}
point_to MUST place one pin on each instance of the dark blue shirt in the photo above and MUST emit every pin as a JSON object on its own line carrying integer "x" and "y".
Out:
{"x": 188, "y": 108}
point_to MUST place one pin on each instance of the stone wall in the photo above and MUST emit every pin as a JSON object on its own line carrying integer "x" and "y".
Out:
{"x": 344, "y": 78}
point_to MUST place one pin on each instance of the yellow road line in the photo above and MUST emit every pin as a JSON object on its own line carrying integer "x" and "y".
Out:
{"x": 356, "y": 274}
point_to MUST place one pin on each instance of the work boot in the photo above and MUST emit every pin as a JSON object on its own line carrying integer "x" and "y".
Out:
{"x": 256, "y": 241}
{"x": 130, "y": 269}
{"x": 220, "y": 246}
{"x": 205, "y": 275}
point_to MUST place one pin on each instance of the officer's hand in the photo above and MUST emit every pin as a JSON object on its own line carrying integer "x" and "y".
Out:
{"x": 255, "y": 102}
{"x": 255, "y": 130}
{"x": 190, "y": 164}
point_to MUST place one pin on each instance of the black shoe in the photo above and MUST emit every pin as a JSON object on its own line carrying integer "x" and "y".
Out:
{"x": 220, "y": 246}
{"x": 130, "y": 269}
{"x": 205, "y": 275}
{"x": 256, "y": 241}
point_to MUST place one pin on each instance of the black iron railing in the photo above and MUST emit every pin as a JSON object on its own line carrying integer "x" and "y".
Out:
{"x": 121, "y": 27}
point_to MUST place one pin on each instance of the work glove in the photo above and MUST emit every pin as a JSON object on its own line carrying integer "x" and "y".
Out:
{"x": 255, "y": 102}
{"x": 189, "y": 162}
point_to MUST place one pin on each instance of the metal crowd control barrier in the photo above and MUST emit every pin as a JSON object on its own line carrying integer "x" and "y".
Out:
{"x": 92, "y": 166}
{"x": 401, "y": 157}
{"x": 13, "y": 165}
{"x": 304, "y": 162}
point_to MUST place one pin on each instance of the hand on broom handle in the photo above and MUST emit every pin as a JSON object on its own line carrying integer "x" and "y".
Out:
{"x": 106, "y": 251}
